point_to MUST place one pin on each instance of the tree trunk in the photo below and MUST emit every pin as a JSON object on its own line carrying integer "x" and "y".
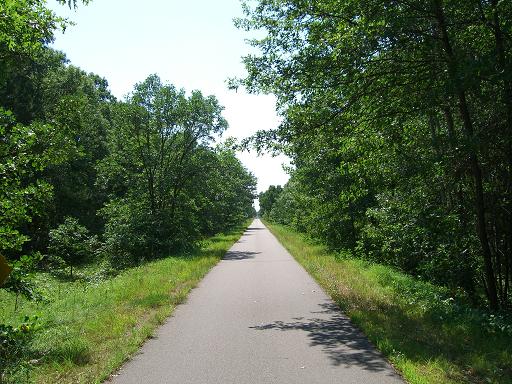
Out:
{"x": 501, "y": 60}
{"x": 476, "y": 170}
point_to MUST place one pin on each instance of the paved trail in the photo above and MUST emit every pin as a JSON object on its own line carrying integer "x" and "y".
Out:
{"x": 257, "y": 318}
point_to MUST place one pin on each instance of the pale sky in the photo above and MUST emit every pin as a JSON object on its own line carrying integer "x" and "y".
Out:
{"x": 191, "y": 44}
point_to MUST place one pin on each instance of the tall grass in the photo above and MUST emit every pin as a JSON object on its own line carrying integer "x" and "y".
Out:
{"x": 426, "y": 334}
{"x": 90, "y": 327}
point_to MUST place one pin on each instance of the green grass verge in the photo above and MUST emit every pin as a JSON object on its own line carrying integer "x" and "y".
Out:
{"x": 426, "y": 335}
{"x": 89, "y": 329}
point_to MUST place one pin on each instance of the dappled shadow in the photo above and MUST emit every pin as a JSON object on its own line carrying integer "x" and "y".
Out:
{"x": 329, "y": 308}
{"x": 240, "y": 255}
{"x": 336, "y": 335}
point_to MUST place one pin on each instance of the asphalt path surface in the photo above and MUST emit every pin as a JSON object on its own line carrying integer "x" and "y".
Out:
{"x": 257, "y": 318}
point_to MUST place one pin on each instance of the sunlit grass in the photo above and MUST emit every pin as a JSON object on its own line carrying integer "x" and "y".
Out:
{"x": 88, "y": 329}
{"x": 426, "y": 336}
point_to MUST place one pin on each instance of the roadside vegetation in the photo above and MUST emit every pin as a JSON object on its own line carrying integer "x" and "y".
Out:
{"x": 428, "y": 335}
{"x": 100, "y": 201}
{"x": 397, "y": 116}
{"x": 90, "y": 324}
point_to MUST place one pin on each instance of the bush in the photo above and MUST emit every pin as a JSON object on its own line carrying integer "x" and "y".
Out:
{"x": 420, "y": 239}
{"x": 20, "y": 280}
{"x": 134, "y": 235}
{"x": 71, "y": 243}
{"x": 15, "y": 349}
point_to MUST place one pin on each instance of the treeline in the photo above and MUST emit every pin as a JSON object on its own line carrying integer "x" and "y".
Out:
{"x": 84, "y": 176}
{"x": 398, "y": 119}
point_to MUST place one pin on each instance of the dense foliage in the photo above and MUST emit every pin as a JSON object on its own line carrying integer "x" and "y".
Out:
{"x": 85, "y": 177}
{"x": 398, "y": 118}
{"x": 268, "y": 198}
{"x": 75, "y": 160}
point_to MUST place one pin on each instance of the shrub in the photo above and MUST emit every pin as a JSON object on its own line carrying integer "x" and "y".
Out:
{"x": 72, "y": 243}
{"x": 20, "y": 280}
{"x": 15, "y": 348}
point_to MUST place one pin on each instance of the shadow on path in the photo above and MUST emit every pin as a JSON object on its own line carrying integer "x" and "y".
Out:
{"x": 240, "y": 255}
{"x": 255, "y": 229}
{"x": 250, "y": 231}
{"x": 338, "y": 337}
